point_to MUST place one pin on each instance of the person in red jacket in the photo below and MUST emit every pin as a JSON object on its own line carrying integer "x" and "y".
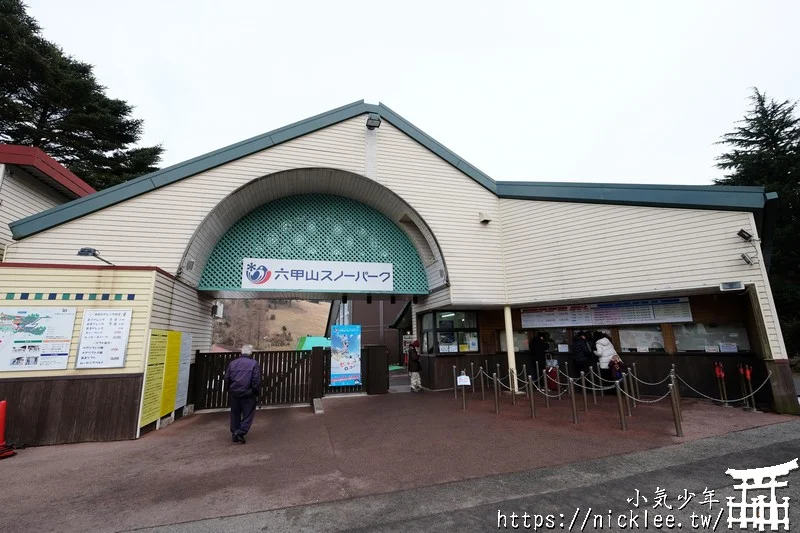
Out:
{"x": 243, "y": 383}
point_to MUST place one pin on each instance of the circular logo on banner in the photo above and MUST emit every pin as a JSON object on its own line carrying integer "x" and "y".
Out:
{"x": 258, "y": 275}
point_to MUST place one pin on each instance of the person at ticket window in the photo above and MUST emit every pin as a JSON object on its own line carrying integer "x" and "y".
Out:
{"x": 606, "y": 354}
{"x": 243, "y": 382}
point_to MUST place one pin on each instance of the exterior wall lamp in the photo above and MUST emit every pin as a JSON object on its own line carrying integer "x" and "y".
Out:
{"x": 91, "y": 252}
{"x": 745, "y": 235}
{"x": 373, "y": 121}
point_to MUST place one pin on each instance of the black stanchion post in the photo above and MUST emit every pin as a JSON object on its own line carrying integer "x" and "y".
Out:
{"x": 621, "y": 408}
{"x": 472, "y": 375}
{"x": 496, "y": 395}
{"x": 529, "y": 386}
{"x": 558, "y": 381}
{"x": 571, "y": 385}
{"x": 483, "y": 393}
{"x": 583, "y": 386}
{"x": 627, "y": 396}
{"x": 537, "y": 372}
{"x": 546, "y": 386}
{"x": 636, "y": 381}
{"x": 675, "y": 415}
{"x": 455, "y": 382}
{"x": 632, "y": 389}
{"x": 566, "y": 368}
{"x": 525, "y": 373}
{"x": 463, "y": 398}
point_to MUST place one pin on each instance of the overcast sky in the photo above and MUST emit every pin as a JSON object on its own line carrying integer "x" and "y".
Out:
{"x": 597, "y": 91}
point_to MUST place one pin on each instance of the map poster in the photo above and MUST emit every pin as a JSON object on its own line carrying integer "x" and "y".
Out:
{"x": 183, "y": 371}
{"x": 154, "y": 377}
{"x": 171, "y": 367}
{"x": 35, "y": 338}
{"x": 104, "y": 338}
{"x": 345, "y": 355}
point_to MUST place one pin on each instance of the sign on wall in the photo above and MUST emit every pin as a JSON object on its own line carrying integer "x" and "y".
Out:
{"x": 336, "y": 276}
{"x": 154, "y": 377}
{"x": 345, "y": 355}
{"x": 183, "y": 371}
{"x": 172, "y": 363}
{"x": 166, "y": 380}
{"x": 35, "y": 338}
{"x": 655, "y": 311}
{"x": 104, "y": 338}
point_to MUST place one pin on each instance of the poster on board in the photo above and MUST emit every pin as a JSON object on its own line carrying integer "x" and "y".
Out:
{"x": 172, "y": 364}
{"x": 104, "y": 338}
{"x": 183, "y": 371}
{"x": 153, "y": 377}
{"x": 35, "y": 338}
{"x": 345, "y": 355}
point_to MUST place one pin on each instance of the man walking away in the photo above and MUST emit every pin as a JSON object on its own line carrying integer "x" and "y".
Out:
{"x": 243, "y": 381}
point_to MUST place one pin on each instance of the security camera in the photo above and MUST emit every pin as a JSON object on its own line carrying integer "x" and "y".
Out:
{"x": 746, "y": 259}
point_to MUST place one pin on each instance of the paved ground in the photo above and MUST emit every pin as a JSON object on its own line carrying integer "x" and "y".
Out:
{"x": 400, "y": 455}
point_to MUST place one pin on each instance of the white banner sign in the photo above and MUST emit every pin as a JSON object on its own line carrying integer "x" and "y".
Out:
{"x": 323, "y": 276}
{"x": 104, "y": 337}
{"x": 654, "y": 311}
{"x": 35, "y": 338}
{"x": 183, "y": 370}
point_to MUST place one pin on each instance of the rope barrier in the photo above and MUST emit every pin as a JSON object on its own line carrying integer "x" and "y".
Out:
{"x": 726, "y": 401}
{"x": 643, "y": 382}
{"x": 644, "y": 401}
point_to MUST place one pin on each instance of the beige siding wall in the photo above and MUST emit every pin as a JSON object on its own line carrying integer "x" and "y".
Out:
{"x": 567, "y": 251}
{"x": 162, "y": 222}
{"x": 449, "y": 203}
{"x": 178, "y": 307}
{"x": 22, "y": 195}
{"x": 61, "y": 281}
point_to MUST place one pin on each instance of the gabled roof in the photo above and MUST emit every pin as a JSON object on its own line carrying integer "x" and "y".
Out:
{"x": 46, "y": 169}
{"x": 684, "y": 196}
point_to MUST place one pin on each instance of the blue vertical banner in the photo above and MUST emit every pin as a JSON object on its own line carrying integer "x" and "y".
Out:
{"x": 345, "y": 355}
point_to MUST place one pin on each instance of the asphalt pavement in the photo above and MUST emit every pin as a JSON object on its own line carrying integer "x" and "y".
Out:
{"x": 594, "y": 495}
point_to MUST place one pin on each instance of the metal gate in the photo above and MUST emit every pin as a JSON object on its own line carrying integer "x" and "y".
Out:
{"x": 286, "y": 378}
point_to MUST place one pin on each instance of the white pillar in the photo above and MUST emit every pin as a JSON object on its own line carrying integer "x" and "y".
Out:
{"x": 512, "y": 362}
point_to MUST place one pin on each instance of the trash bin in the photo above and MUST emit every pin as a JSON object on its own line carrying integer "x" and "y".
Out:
{"x": 376, "y": 363}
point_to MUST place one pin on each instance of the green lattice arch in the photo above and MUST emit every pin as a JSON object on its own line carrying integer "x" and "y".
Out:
{"x": 314, "y": 227}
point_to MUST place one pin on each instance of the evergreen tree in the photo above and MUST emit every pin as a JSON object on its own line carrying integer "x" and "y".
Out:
{"x": 765, "y": 150}
{"x": 53, "y": 101}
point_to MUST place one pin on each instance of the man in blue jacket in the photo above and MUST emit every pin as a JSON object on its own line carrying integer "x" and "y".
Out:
{"x": 243, "y": 382}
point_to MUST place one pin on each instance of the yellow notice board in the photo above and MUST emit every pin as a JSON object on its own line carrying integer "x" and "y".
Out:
{"x": 154, "y": 377}
{"x": 171, "y": 367}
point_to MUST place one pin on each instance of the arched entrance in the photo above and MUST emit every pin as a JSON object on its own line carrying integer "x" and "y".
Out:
{"x": 314, "y": 227}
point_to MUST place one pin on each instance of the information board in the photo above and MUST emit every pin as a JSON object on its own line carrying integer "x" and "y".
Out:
{"x": 154, "y": 376}
{"x": 653, "y": 311}
{"x": 345, "y": 355}
{"x": 171, "y": 367}
{"x": 35, "y": 338}
{"x": 104, "y": 338}
{"x": 183, "y": 371}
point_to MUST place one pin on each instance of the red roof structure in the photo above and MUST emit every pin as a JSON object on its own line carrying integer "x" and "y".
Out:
{"x": 43, "y": 167}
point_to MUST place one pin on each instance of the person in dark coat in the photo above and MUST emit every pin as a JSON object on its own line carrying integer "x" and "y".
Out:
{"x": 243, "y": 382}
{"x": 582, "y": 355}
{"x": 415, "y": 367}
{"x": 539, "y": 347}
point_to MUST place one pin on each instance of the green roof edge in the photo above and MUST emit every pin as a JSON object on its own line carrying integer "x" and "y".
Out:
{"x": 682, "y": 196}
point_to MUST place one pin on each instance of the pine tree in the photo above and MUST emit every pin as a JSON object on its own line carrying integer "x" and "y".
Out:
{"x": 53, "y": 101}
{"x": 765, "y": 150}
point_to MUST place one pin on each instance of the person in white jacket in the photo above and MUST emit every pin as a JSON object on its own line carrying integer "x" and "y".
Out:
{"x": 604, "y": 350}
